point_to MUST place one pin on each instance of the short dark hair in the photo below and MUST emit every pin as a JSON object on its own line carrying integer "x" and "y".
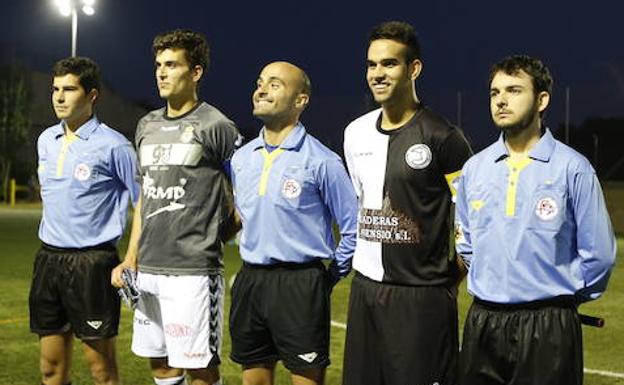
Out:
{"x": 400, "y": 32}
{"x": 306, "y": 84}
{"x": 87, "y": 70}
{"x": 194, "y": 44}
{"x": 539, "y": 73}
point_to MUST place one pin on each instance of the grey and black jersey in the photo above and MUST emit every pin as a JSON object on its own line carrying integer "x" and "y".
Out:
{"x": 184, "y": 189}
{"x": 404, "y": 180}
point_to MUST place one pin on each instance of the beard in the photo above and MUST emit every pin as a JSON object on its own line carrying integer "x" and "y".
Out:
{"x": 514, "y": 128}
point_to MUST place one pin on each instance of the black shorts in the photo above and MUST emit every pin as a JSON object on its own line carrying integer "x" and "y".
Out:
{"x": 71, "y": 291}
{"x": 400, "y": 335}
{"x": 532, "y": 343}
{"x": 281, "y": 313}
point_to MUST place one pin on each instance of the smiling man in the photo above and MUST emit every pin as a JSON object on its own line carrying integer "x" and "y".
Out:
{"x": 86, "y": 172}
{"x": 403, "y": 160}
{"x": 533, "y": 229}
{"x": 178, "y": 229}
{"x": 289, "y": 188}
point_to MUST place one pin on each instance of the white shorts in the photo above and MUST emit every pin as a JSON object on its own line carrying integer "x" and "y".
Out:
{"x": 179, "y": 317}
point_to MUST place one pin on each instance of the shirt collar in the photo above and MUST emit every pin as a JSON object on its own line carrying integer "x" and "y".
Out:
{"x": 292, "y": 142}
{"x": 542, "y": 150}
{"x": 83, "y": 132}
{"x": 544, "y": 147}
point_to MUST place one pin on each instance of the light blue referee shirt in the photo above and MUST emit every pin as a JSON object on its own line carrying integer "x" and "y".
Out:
{"x": 87, "y": 179}
{"x": 287, "y": 199}
{"x": 535, "y": 228}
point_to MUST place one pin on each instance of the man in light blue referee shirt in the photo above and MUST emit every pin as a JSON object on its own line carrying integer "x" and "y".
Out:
{"x": 87, "y": 175}
{"x": 288, "y": 189}
{"x": 533, "y": 229}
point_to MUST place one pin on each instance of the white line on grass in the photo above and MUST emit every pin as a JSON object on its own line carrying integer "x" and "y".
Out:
{"x": 605, "y": 373}
{"x": 341, "y": 325}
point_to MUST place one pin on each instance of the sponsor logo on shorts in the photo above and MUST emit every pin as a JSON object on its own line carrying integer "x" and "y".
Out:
{"x": 178, "y": 330}
{"x": 418, "y": 156}
{"x": 82, "y": 172}
{"x": 196, "y": 355}
{"x": 546, "y": 209}
{"x": 142, "y": 321}
{"x": 94, "y": 324}
{"x": 291, "y": 189}
{"x": 308, "y": 357}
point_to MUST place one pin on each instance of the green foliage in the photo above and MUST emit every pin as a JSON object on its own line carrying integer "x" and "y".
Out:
{"x": 14, "y": 119}
{"x": 604, "y": 348}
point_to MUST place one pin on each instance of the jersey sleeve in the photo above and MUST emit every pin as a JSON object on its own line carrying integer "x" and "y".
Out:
{"x": 350, "y": 165}
{"x": 595, "y": 239}
{"x": 124, "y": 161}
{"x": 220, "y": 142}
{"x": 454, "y": 152}
{"x": 138, "y": 136}
{"x": 338, "y": 196}
{"x": 41, "y": 158}
{"x": 463, "y": 243}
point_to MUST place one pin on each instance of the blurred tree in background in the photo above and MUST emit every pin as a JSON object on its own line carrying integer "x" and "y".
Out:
{"x": 14, "y": 120}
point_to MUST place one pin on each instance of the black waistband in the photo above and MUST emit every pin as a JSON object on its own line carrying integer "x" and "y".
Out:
{"x": 563, "y": 301}
{"x": 107, "y": 246}
{"x": 361, "y": 276}
{"x": 285, "y": 265}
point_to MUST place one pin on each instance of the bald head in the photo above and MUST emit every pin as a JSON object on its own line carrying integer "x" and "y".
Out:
{"x": 282, "y": 92}
{"x": 292, "y": 74}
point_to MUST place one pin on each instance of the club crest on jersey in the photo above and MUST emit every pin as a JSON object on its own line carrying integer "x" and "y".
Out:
{"x": 291, "y": 189}
{"x": 546, "y": 209}
{"x": 418, "y": 156}
{"x": 187, "y": 135}
{"x": 82, "y": 172}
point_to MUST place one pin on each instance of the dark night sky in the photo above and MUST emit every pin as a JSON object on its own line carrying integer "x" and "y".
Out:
{"x": 581, "y": 42}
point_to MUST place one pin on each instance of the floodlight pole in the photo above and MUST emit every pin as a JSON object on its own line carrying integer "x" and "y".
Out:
{"x": 459, "y": 109}
{"x": 567, "y": 115}
{"x": 74, "y": 30}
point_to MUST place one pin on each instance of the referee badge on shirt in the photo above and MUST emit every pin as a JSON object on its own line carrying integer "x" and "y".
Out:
{"x": 291, "y": 189}
{"x": 418, "y": 156}
{"x": 82, "y": 172}
{"x": 546, "y": 209}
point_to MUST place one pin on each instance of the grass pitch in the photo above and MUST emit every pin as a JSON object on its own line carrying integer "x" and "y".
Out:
{"x": 604, "y": 348}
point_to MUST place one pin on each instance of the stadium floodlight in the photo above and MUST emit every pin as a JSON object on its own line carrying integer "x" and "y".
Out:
{"x": 88, "y": 10}
{"x": 68, "y": 8}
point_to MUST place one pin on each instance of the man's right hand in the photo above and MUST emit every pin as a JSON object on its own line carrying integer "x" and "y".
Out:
{"x": 116, "y": 279}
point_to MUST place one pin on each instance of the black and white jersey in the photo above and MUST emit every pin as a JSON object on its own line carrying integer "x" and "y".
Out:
{"x": 404, "y": 180}
{"x": 183, "y": 189}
